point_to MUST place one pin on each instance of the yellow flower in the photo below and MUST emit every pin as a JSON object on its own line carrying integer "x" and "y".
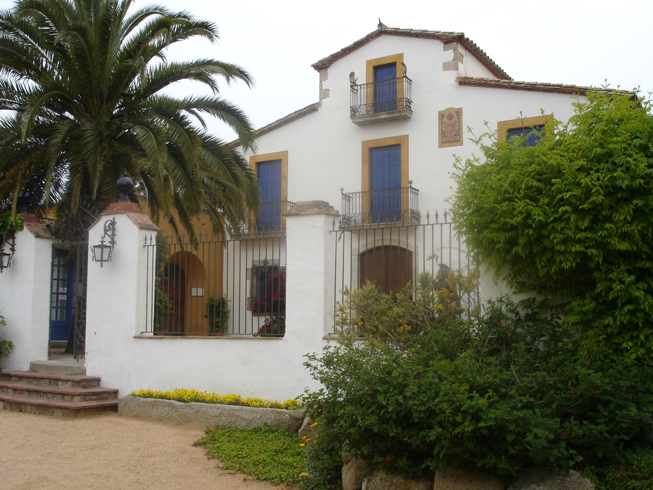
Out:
{"x": 302, "y": 445}
{"x": 313, "y": 425}
{"x": 303, "y": 474}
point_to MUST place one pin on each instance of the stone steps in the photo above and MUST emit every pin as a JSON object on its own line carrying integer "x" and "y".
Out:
{"x": 58, "y": 395}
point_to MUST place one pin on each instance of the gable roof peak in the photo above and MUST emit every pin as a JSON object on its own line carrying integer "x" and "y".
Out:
{"x": 443, "y": 36}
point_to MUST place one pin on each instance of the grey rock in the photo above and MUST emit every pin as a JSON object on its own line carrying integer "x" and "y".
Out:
{"x": 353, "y": 474}
{"x": 387, "y": 481}
{"x": 306, "y": 430}
{"x": 551, "y": 479}
{"x": 207, "y": 415}
{"x": 454, "y": 479}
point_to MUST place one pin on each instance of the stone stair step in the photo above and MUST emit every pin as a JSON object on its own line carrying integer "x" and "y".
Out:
{"x": 60, "y": 366}
{"x": 62, "y": 380}
{"x": 55, "y": 408}
{"x": 58, "y": 392}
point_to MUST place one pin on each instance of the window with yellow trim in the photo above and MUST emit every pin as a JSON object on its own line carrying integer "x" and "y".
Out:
{"x": 528, "y": 130}
{"x": 384, "y": 78}
{"x": 385, "y": 185}
{"x": 271, "y": 171}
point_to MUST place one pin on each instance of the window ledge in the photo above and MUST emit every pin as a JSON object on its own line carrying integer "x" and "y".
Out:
{"x": 382, "y": 116}
{"x": 204, "y": 337}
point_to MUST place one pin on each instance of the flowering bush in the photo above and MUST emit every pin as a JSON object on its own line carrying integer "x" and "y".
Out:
{"x": 190, "y": 396}
{"x": 496, "y": 392}
{"x": 273, "y": 303}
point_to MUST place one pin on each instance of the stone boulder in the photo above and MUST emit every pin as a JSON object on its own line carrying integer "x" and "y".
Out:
{"x": 387, "y": 481}
{"x": 551, "y": 479}
{"x": 454, "y": 479}
{"x": 306, "y": 431}
{"x": 353, "y": 473}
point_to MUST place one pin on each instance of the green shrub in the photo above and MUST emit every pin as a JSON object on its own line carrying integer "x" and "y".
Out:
{"x": 631, "y": 471}
{"x": 570, "y": 218}
{"x": 497, "y": 392}
{"x": 218, "y": 314}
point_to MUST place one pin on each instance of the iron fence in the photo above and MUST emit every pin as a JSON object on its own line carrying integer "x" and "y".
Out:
{"x": 384, "y": 96}
{"x": 393, "y": 257}
{"x": 216, "y": 287}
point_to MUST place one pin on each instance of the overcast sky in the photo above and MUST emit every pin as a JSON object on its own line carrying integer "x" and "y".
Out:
{"x": 578, "y": 42}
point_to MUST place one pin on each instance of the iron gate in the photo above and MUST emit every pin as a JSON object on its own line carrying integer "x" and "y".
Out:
{"x": 68, "y": 296}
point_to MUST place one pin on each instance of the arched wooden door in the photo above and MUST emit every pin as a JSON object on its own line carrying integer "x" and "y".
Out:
{"x": 389, "y": 267}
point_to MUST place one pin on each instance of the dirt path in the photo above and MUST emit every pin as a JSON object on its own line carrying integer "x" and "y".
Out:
{"x": 107, "y": 452}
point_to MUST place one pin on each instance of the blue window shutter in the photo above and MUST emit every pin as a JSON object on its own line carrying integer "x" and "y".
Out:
{"x": 385, "y": 88}
{"x": 269, "y": 181}
{"x": 532, "y": 134}
{"x": 385, "y": 184}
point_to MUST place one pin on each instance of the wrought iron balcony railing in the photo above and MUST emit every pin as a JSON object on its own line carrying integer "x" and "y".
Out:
{"x": 270, "y": 219}
{"x": 382, "y": 97}
{"x": 381, "y": 207}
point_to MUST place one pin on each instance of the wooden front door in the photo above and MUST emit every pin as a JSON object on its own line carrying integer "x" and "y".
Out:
{"x": 389, "y": 267}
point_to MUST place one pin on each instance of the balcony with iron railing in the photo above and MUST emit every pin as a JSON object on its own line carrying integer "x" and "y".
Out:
{"x": 399, "y": 206}
{"x": 270, "y": 220}
{"x": 381, "y": 101}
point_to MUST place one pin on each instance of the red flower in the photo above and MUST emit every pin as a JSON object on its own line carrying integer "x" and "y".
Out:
{"x": 510, "y": 341}
{"x": 387, "y": 459}
{"x": 499, "y": 324}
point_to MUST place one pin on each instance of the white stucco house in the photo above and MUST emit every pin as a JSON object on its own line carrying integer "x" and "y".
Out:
{"x": 354, "y": 188}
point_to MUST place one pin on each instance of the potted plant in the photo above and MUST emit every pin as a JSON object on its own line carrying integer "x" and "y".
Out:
{"x": 5, "y": 345}
{"x": 274, "y": 304}
{"x": 218, "y": 314}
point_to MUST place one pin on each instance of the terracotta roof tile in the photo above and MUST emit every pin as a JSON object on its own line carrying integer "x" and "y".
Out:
{"x": 557, "y": 88}
{"x": 445, "y": 37}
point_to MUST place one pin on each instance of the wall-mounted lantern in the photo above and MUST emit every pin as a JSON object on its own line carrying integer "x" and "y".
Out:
{"x": 8, "y": 240}
{"x": 102, "y": 251}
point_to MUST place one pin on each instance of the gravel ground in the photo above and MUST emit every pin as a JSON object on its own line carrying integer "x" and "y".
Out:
{"x": 107, "y": 452}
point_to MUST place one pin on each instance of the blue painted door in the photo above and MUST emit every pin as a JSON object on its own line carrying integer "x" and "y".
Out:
{"x": 269, "y": 181}
{"x": 385, "y": 184}
{"x": 385, "y": 88}
{"x": 61, "y": 295}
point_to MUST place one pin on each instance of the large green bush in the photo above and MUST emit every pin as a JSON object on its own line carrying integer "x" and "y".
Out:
{"x": 571, "y": 218}
{"x": 498, "y": 392}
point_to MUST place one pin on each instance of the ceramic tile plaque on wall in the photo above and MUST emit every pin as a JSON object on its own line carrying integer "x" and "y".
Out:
{"x": 450, "y": 127}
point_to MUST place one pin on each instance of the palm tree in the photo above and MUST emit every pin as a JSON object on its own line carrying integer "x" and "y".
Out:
{"x": 83, "y": 82}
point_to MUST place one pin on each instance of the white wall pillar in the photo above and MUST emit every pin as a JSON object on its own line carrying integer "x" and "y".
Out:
{"x": 311, "y": 269}
{"x": 25, "y": 296}
{"x": 116, "y": 292}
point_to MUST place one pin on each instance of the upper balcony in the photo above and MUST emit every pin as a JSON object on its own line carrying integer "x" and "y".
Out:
{"x": 269, "y": 221}
{"x": 387, "y": 207}
{"x": 381, "y": 101}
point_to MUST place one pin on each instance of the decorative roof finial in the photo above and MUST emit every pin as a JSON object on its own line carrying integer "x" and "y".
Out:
{"x": 381, "y": 25}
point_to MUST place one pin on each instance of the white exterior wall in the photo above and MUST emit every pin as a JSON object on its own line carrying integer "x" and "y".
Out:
{"x": 269, "y": 368}
{"x": 324, "y": 148}
{"x": 25, "y": 301}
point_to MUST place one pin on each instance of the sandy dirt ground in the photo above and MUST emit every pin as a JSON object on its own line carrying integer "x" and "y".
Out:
{"x": 107, "y": 452}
